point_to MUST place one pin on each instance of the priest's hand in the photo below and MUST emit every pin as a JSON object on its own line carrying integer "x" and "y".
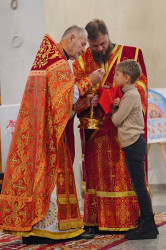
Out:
{"x": 97, "y": 76}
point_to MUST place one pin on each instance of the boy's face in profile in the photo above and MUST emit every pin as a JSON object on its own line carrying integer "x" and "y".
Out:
{"x": 121, "y": 79}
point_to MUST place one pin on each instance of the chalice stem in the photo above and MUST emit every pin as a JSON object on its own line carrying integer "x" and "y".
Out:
{"x": 91, "y": 112}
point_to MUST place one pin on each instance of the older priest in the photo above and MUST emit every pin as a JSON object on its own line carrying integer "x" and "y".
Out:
{"x": 38, "y": 195}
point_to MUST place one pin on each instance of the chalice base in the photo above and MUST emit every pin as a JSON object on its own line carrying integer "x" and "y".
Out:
{"x": 90, "y": 123}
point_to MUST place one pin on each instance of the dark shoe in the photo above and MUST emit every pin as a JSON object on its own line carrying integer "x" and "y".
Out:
{"x": 139, "y": 222}
{"x": 86, "y": 235}
{"x": 156, "y": 229}
{"x": 146, "y": 230}
{"x": 92, "y": 230}
{"x": 37, "y": 240}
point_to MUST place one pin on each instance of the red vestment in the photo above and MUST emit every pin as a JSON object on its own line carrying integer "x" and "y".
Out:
{"x": 42, "y": 149}
{"x": 109, "y": 201}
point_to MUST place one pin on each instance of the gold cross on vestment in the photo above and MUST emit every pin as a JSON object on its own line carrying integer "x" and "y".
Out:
{"x": 24, "y": 213}
{"x": 61, "y": 179}
{"x": 94, "y": 202}
{"x": 26, "y": 137}
{"x": 19, "y": 186}
{"x": 84, "y": 84}
{"x": 112, "y": 176}
{"x": 4, "y": 210}
{"x": 13, "y": 160}
{"x": 63, "y": 76}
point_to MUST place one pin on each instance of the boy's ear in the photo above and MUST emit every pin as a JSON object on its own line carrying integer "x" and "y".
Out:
{"x": 128, "y": 78}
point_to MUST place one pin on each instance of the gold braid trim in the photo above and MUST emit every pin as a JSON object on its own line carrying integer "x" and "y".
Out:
{"x": 81, "y": 62}
{"x": 111, "y": 194}
{"x": 114, "y": 194}
{"x": 136, "y": 54}
{"x": 143, "y": 86}
{"x": 118, "y": 55}
{"x": 48, "y": 234}
{"x": 63, "y": 200}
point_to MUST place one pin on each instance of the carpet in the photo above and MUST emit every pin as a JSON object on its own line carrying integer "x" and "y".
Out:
{"x": 102, "y": 242}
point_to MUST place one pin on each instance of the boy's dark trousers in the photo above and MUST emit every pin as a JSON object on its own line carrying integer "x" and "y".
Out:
{"x": 135, "y": 155}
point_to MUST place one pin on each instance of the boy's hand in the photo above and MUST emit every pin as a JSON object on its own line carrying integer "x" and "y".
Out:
{"x": 116, "y": 102}
{"x": 94, "y": 100}
{"x": 106, "y": 87}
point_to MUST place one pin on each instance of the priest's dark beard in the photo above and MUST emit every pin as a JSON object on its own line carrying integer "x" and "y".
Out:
{"x": 103, "y": 58}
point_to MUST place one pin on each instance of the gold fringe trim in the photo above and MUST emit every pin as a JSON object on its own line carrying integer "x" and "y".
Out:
{"x": 107, "y": 228}
{"x": 69, "y": 225}
{"x": 115, "y": 229}
{"x": 48, "y": 234}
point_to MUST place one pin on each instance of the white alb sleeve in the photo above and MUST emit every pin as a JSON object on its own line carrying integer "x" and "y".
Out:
{"x": 75, "y": 99}
{"x": 76, "y": 94}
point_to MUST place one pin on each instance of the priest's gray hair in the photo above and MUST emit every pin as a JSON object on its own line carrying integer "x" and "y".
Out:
{"x": 75, "y": 30}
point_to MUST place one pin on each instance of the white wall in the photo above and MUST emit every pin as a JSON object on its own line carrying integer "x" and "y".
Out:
{"x": 7, "y": 112}
{"x": 23, "y": 27}
{"x": 156, "y": 165}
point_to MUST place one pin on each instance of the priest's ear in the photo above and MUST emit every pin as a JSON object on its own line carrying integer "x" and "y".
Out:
{"x": 71, "y": 37}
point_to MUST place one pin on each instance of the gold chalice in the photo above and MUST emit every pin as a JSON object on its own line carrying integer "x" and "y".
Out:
{"x": 91, "y": 122}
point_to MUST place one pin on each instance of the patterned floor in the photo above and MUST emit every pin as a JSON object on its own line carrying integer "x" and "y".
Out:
{"x": 101, "y": 242}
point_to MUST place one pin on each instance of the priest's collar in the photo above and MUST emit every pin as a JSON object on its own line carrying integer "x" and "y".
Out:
{"x": 66, "y": 55}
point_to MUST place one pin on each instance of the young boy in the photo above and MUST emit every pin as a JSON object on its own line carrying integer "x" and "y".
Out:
{"x": 127, "y": 116}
